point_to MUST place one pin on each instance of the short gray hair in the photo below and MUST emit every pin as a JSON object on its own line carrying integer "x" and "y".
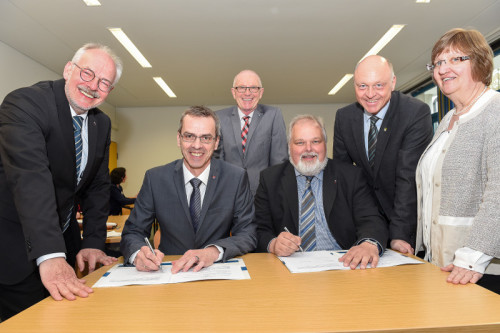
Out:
{"x": 111, "y": 53}
{"x": 316, "y": 119}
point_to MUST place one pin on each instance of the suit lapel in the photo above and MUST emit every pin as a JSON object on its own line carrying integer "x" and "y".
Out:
{"x": 289, "y": 185}
{"x": 181, "y": 190}
{"x": 358, "y": 130}
{"x": 209, "y": 192}
{"x": 257, "y": 116}
{"x": 329, "y": 188}
{"x": 385, "y": 133}
{"x": 235, "y": 121}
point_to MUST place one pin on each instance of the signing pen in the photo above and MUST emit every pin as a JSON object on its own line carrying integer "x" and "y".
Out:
{"x": 300, "y": 247}
{"x": 152, "y": 250}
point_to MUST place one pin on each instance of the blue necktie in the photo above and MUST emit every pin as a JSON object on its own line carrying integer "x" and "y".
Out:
{"x": 308, "y": 218}
{"x": 195, "y": 203}
{"x": 77, "y": 130}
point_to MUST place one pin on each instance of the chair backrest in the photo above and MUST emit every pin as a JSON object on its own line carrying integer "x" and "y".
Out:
{"x": 156, "y": 239}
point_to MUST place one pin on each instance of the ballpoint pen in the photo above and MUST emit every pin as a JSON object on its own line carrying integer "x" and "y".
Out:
{"x": 152, "y": 250}
{"x": 300, "y": 247}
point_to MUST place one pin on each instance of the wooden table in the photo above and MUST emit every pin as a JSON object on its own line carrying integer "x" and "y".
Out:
{"x": 411, "y": 298}
{"x": 120, "y": 222}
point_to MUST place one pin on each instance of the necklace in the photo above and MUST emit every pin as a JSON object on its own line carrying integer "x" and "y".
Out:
{"x": 465, "y": 109}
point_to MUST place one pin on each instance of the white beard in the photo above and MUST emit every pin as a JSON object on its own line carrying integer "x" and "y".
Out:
{"x": 309, "y": 169}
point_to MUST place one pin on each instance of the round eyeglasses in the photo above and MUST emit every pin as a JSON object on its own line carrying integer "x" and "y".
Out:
{"x": 87, "y": 75}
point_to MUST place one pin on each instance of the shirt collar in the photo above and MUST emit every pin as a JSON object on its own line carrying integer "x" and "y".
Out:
{"x": 73, "y": 113}
{"x": 381, "y": 114}
{"x": 319, "y": 175}
{"x": 188, "y": 175}
{"x": 241, "y": 114}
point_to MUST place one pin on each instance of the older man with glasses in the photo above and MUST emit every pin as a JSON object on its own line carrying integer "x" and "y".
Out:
{"x": 54, "y": 151}
{"x": 203, "y": 206}
{"x": 253, "y": 135}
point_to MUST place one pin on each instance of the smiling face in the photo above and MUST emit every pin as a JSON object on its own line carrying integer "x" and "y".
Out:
{"x": 83, "y": 96}
{"x": 373, "y": 83}
{"x": 196, "y": 154}
{"x": 307, "y": 147}
{"x": 247, "y": 101}
{"x": 454, "y": 80}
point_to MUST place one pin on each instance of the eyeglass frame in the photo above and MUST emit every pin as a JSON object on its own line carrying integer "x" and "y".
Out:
{"x": 99, "y": 80}
{"x": 253, "y": 90}
{"x": 201, "y": 137}
{"x": 452, "y": 61}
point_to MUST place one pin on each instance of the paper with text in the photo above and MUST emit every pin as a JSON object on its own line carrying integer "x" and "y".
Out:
{"x": 120, "y": 275}
{"x": 317, "y": 261}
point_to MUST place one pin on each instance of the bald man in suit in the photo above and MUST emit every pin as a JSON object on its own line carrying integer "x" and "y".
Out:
{"x": 265, "y": 133}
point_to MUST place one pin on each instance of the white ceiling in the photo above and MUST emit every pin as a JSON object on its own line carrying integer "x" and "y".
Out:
{"x": 300, "y": 48}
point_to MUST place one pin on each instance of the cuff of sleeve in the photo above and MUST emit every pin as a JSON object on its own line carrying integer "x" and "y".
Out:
{"x": 374, "y": 242}
{"x": 468, "y": 258}
{"x": 50, "y": 256}
{"x": 221, "y": 251}
{"x": 132, "y": 257}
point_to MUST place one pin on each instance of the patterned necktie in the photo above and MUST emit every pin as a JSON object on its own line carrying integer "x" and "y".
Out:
{"x": 244, "y": 132}
{"x": 372, "y": 139}
{"x": 77, "y": 128}
{"x": 195, "y": 203}
{"x": 308, "y": 218}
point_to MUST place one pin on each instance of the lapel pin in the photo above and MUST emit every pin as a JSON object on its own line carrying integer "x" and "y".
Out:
{"x": 385, "y": 129}
{"x": 213, "y": 177}
{"x": 335, "y": 181}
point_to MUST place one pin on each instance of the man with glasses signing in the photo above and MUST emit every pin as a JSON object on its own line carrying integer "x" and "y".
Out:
{"x": 204, "y": 206}
{"x": 253, "y": 136}
{"x": 54, "y": 149}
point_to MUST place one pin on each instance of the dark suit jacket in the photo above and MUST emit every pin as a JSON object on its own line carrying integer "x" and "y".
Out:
{"x": 117, "y": 200}
{"x": 38, "y": 182}
{"x": 403, "y": 136}
{"x": 266, "y": 141}
{"x": 227, "y": 209}
{"x": 350, "y": 208}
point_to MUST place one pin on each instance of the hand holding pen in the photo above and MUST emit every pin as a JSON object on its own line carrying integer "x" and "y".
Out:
{"x": 285, "y": 244}
{"x": 147, "y": 254}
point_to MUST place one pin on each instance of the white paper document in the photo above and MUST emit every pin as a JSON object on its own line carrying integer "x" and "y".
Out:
{"x": 120, "y": 275}
{"x": 317, "y": 261}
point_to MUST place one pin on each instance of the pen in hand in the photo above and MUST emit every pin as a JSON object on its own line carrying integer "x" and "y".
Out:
{"x": 300, "y": 247}
{"x": 152, "y": 250}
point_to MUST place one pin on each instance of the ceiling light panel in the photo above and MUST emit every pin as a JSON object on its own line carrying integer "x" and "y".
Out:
{"x": 131, "y": 48}
{"x": 164, "y": 86}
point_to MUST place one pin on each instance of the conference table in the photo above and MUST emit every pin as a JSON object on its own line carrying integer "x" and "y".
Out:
{"x": 120, "y": 222}
{"x": 409, "y": 298}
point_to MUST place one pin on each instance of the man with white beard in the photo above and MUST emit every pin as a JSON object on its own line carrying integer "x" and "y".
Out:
{"x": 313, "y": 203}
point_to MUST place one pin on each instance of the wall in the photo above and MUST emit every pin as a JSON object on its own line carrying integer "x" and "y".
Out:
{"x": 147, "y": 136}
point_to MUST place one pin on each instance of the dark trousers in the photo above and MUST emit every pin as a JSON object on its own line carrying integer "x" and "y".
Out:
{"x": 16, "y": 298}
{"x": 490, "y": 282}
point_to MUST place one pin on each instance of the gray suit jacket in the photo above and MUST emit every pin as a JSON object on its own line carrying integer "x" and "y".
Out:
{"x": 227, "y": 209}
{"x": 266, "y": 141}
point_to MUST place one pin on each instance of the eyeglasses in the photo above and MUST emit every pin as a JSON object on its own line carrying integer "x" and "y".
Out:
{"x": 87, "y": 75}
{"x": 452, "y": 61}
{"x": 205, "y": 139}
{"x": 242, "y": 90}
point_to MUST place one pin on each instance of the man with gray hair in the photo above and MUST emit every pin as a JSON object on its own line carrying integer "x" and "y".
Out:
{"x": 313, "y": 203}
{"x": 54, "y": 152}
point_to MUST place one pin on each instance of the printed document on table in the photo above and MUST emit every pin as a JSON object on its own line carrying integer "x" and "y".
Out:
{"x": 317, "y": 261}
{"x": 120, "y": 275}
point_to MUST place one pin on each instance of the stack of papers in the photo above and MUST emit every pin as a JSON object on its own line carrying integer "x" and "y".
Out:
{"x": 317, "y": 261}
{"x": 120, "y": 275}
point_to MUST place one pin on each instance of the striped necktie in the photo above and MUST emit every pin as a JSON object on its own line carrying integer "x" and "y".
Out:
{"x": 77, "y": 130}
{"x": 244, "y": 132}
{"x": 372, "y": 139}
{"x": 308, "y": 218}
{"x": 195, "y": 203}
